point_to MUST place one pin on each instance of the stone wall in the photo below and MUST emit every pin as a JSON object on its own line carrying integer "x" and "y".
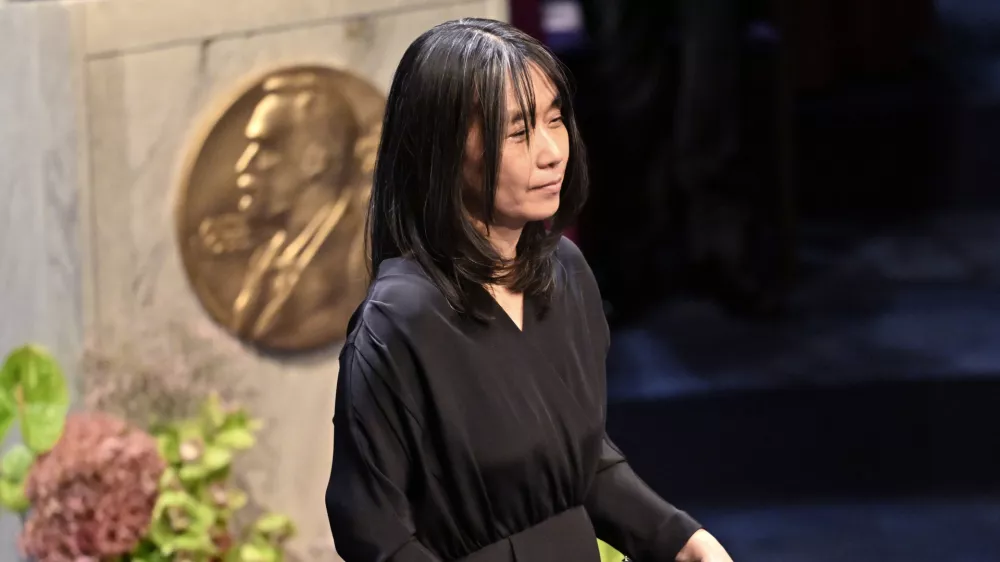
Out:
{"x": 99, "y": 102}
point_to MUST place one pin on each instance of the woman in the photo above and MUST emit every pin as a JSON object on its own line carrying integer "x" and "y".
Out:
{"x": 470, "y": 410}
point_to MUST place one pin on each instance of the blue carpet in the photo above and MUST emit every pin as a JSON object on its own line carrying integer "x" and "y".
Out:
{"x": 918, "y": 530}
{"x": 918, "y": 301}
{"x": 884, "y": 317}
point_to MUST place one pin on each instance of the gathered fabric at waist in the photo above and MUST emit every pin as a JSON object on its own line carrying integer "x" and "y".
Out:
{"x": 566, "y": 536}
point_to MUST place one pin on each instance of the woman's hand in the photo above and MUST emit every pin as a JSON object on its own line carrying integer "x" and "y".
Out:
{"x": 702, "y": 547}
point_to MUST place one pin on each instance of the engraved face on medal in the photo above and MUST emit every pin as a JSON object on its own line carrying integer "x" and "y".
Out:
{"x": 270, "y": 217}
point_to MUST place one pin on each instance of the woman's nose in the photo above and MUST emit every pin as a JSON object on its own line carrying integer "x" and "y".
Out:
{"x": 549, "y": 153}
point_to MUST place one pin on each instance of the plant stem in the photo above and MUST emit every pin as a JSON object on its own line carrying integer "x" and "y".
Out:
{"x": 23, "y": 517}
{"x": 19, "y": 398}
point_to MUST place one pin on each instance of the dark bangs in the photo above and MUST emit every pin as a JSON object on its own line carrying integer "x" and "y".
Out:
{"x": 450, "y": 78}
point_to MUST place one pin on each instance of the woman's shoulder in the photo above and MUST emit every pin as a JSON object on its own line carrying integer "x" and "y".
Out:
{"x": 401, "y": 301}
{"x": 385, "y": 332}
{"x": 579, "y": 280}
{"x": 569, "y": 254}
{"x": 574, "y": 265}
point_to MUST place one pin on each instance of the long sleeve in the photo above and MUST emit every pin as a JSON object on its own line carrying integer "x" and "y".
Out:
{"x": 630, "y": 516}
{"x": 370, "y": 515}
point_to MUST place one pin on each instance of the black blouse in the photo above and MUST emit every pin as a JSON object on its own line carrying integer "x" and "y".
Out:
{"x": 457, "y": 440}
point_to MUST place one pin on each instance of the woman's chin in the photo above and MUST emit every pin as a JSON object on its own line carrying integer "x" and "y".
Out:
{"x": 525, "y": 214}
{"x": 542, "y": 211}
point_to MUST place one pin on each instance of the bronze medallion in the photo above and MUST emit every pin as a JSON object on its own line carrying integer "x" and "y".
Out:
{"x": 271, "y": 212}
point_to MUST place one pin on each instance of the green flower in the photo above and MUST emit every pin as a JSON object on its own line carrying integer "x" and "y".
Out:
{"x": 13, "y": 475}
{"x": 33, "y": 391}
{"x": 182, "y": 525}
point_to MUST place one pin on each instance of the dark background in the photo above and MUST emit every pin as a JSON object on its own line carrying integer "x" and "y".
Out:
{"x": 858, "y": 418}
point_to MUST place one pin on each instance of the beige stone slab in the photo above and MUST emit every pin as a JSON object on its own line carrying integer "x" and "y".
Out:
{"x": 117, "y": 26}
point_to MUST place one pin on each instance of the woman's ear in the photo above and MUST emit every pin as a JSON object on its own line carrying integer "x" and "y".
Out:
{"x": 472, "y": 159}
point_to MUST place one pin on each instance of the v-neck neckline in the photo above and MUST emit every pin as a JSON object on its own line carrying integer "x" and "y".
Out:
{"x": 505, "y": 317}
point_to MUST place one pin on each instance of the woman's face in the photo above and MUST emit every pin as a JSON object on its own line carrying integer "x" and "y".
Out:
{"x": 531, "y": 174}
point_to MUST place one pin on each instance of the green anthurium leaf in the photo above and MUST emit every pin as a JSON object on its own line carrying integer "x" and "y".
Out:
{"x": 43, "y": 425}
{"x": 160, "y": 533}
{"x": 258, "y": 553}
{"x": 240, "y": 419}
{"x": 169, "y": 446}
{"x": 193, "y": 473}
{"x": 145, "y": 548}
{"x": 149, "y": 557}
{"x": 274, "y": 527}
{"x": 185, "y": 430}
{"x": 146, "y": 551}
{"x": 237, "y": 418}
{"x": 8, "y": 413}
{"x": 199, "y": 514}
{"x": 236, "y": 500}
{"x": 214, "y": 495}
{"x": 217, "y": 458}
{"x": 233, "y": 555}
{"x": 213, "y": 414}
{"x": 190, "y": 432}
{"x": 236, "y": 438}
{"x": 170, "y": 481}
{"x": 12, "y": 496}
{"x": 32, "y": 380}
{"x": 14, "y": 470}
{"x": 200, "y": 542}
{"x": 10, "y": 377}
{"x": 204, "y": 515}
{"x": 185, "y": 502}
{"x": 168, "y": 499}
{"x": 16, "y": 463}
{"x": 181, "y": 523}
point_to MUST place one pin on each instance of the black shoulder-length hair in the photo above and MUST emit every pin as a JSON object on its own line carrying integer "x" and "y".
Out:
{"x": 453, "y": 76}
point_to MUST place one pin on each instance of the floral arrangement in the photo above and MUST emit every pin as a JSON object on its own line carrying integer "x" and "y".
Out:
{"x": 94, "y": 486}
{"x": 93, "y": 492}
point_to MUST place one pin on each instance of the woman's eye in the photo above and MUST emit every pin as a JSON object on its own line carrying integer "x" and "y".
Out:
{"x": 556, "y": 119}
{"x": 518, "y": 134}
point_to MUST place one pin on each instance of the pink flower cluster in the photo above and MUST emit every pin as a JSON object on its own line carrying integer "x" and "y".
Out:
{"x": 93, "y": 494}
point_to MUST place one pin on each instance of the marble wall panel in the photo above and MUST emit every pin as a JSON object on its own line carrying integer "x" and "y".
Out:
{"x": 40, "y": 219}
